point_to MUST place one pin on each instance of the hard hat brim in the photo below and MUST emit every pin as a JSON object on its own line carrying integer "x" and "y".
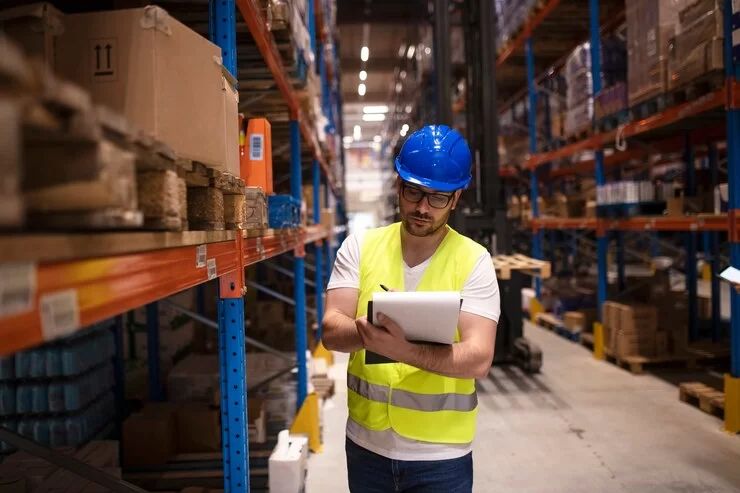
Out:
{"x": 438, "y": 186}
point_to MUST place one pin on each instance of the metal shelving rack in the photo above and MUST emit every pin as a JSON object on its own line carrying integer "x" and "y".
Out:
{"x": 678, "y": 128}
{"x": 122, "y": 271}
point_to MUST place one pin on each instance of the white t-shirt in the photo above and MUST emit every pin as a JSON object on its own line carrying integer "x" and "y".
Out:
{"x": 480, "y": 296}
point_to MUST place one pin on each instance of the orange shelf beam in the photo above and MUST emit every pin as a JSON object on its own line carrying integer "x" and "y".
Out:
{"x": 100, "y": 288}
{"x": 670, "y": 116}
{"x": 706, "y": 222}
{"x": 527, "y": 30}
{"x": 563, "y": 223}
{"x": 106, "y": 287}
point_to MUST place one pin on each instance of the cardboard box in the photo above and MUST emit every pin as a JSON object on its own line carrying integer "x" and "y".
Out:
{"x": 575, "y": 322}
{"x": 34, "y": 27}
{"x": 257, "y": 420}
{"x": 161, "y": 75}
{"x": 149, "y": 436}
{"x": 650, "y": 26}
{"x": 697, "y": 47}
{"x": 198, "y": 428}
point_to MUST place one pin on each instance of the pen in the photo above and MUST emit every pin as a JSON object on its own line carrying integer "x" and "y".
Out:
{"x": 384, "y": 288}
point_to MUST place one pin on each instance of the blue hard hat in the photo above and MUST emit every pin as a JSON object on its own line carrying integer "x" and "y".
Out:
{"x": 435, "y": 157}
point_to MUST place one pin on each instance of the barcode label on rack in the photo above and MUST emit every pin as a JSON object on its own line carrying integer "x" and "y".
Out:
{"x": 17, "y": 288}
{"x": 211, "y": 268}
{"x": 200, "y": 256}
{"x": 60, "y": 314}
{"x": 256, "y": 147}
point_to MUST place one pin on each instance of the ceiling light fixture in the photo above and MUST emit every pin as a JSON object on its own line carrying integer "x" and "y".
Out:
{"x": 405, "y": 127}
{"x": 408, "y": 109}
{"x": 364, "y": 53}
{"x": 374, "y": 117}
{"x": 357, "y": 132}
{"x": 403, "y": 74}
{"x": 377, "y": 139}
{"x": 428, "y": 50}
{"x": 375, "y": 109}
{"x": 348, "y": 139}
{"x": 410, "y": 54}
{"x": 402, "y": 49}
{"x": 399, "y": 87}
{"x": 361, "y": 89}
{"x": 363, "y": 75}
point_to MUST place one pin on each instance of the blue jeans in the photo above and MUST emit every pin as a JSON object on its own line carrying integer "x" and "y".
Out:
{"x": 372, "y": 473}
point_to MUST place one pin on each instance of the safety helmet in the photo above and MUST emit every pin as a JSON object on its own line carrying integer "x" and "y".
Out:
{"x": 435, "y": 157}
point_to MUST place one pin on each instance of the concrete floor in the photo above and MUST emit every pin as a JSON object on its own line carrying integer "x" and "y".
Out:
{"x": 580, "y": 426}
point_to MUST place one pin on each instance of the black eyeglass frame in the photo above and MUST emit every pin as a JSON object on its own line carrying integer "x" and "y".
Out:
{"x": 430, "y": 196}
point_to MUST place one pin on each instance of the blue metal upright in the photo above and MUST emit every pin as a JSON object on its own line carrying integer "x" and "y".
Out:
{"x": 234, "y": 425}
{"x": 319, "y": 247}
{"x": 691, "y": 243}
{"x": 299, "y": 268}
{"x": 537, "y": 238}
{"x": 733, "y": 180}
{"x": 232, "y": 354}
{"x": 713, "y": 158}
{"x": 222, "y": 22}
{"x": 602, "y": 242}
{"x": 156, "y": 392}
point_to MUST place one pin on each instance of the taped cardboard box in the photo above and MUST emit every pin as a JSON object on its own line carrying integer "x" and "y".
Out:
{"x": 35, "y": 28}
{"x": 162, "y": 76}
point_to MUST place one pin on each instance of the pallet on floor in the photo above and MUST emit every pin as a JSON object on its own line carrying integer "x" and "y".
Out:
{"x": 504, "y": 264}
{"x": 637, "y": 364}
{"x": 551, "y": 322}
{"x": 706, "y": 398}
{"x": 587, "y": 340}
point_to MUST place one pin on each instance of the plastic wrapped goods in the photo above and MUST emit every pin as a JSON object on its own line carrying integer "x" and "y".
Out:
{"x": 650, "y": 26}
{"x": 697, "y": 47}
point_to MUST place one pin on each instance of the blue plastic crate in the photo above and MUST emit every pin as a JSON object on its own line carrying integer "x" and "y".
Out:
{"x": 283, "y": 211}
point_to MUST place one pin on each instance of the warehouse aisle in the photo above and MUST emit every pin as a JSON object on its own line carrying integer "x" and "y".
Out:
{"x": 582, "y": 426}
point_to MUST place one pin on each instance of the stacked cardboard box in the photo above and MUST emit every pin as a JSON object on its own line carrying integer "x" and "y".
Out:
{"x": 697, "y": 46}
{"x": 650, "y": 26}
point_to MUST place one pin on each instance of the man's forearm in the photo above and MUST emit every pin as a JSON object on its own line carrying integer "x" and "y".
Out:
{"x": 339, "y": 333}
{"x": 455, "y": 361}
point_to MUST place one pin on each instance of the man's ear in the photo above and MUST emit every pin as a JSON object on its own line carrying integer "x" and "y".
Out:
{"x": 456, "y": 197}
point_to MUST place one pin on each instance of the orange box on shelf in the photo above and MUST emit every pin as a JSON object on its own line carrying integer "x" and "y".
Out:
{"x": 256, "y": 162}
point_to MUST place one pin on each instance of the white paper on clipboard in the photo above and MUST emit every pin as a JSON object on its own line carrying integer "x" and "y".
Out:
{"x": 731, "y": 274}
{"x": 424, "y": 316}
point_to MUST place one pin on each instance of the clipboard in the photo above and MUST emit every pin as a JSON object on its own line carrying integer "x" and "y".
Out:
{"x": 444, "y": 337}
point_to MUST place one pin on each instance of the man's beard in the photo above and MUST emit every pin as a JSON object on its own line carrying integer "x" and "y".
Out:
{"x": 426, "y": 230}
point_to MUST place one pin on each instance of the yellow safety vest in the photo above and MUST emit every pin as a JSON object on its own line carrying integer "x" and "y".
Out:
{"x": 417, "y": 404}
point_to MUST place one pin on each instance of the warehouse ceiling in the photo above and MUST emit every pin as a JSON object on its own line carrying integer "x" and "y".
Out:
{"x": 385, "y": 28}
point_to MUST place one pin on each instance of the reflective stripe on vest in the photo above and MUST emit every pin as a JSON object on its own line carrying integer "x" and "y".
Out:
{"x": 416, "y": 404}
{"x": 412, "y": 400}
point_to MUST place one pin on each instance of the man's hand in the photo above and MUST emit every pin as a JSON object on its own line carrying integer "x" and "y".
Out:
{"x": 389, "y": 341}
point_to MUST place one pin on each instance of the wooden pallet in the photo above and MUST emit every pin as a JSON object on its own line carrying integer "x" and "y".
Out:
{"x": 613, "y": 121}
{"x": 578, "y": 135}
{"x": 637, "y": 364}
{"x": 551, "y": 322}
{"x": 706, "y": 398}
{"x": 648, "y": 107}
{"x": 504, "y": 264}
{"x": 587, "y": 340}
{"x": 701, "y": 86}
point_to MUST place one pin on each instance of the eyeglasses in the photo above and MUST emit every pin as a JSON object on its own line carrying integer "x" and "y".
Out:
{"x": 415, "y": 195}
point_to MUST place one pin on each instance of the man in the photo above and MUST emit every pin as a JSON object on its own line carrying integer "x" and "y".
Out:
{"x": 411, "y": 423}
